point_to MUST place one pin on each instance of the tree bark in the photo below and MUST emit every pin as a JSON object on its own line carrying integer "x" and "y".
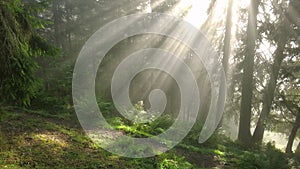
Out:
{"x": 68, "y": 29}
{"x": 56, "y": 22}
{"x": 244, "y": 135}
{"x": 227, "y": 40}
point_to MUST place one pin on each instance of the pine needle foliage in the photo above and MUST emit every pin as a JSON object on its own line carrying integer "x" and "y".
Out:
{"x": 20, "y": 44}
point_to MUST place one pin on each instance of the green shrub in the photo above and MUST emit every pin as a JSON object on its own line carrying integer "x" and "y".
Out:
{"x": 276, "y": 158}
{"x": 152, "y": 127}
{"x": 171, "y": 161}
{"x": 251, "y": 160}
{"x": 193, "y": 137}
{"x": 55, "y": 91}
{"x": 105, "y": 106}
{"x": 157, "y": 126}
{"x": 267, "y": 158}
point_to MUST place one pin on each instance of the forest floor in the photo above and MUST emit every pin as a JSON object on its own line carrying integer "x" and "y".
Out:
{"x": 29, "y": 140}
{"x": 32, "y": 140}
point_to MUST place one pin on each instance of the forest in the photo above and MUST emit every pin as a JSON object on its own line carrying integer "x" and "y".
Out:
{"x": 162, "y": 84}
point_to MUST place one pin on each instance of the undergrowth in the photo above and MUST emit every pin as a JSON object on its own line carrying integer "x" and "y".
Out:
{"x": 35, "y": 139}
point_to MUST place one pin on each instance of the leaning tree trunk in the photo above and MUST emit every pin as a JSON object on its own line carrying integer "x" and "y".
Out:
{"x": 293, "y": 135}
{"x": 269, "y": 92}
{"x": 244, "y": 135}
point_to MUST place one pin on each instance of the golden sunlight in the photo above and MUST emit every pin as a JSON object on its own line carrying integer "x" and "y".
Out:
{"x": 197, "y": 11}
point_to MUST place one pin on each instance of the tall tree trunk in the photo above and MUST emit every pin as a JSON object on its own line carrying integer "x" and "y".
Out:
{"x": 269, "y": 92}
{"x": 293, "y": 134}
{"x": 227, "y": 40}
{"x": 56, "y": 21}
{"x": 227, "y": 48}
{"x": 68, "y": 28}
{"x": 244, "y": 135}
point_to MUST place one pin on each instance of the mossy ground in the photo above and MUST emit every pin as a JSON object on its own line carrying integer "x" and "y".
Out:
{"x": 34, "y": 140}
